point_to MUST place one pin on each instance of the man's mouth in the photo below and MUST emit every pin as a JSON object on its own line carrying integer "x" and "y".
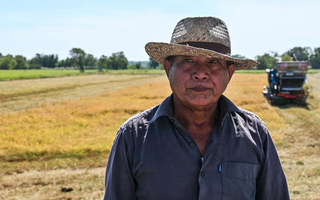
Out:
{"x": 200, "y": 89}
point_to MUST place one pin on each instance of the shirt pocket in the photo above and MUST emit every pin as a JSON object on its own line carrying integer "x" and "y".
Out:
{"x": 239, "y": 180}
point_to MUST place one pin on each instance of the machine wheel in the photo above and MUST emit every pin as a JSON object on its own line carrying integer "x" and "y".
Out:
{"x": 278, "y": 101}
{"x": 301, "y": 101}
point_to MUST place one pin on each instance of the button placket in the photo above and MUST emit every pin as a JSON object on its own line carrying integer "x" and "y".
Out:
{"x": 177, "y": 126}
{"x": 202, "y": 174}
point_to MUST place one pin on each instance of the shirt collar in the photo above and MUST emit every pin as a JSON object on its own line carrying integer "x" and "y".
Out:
{"x": 225, "y": 106}
{"x": 165, "y": 109}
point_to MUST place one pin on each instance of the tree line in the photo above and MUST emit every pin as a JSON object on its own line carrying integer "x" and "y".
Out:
{"x": 81, "y": 60}
{"x": 78, "y": 59}
{"x": 268, "y": 60}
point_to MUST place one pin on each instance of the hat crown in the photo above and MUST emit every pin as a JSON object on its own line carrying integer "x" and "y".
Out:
{"x": 198, "y": 36}
{"x": 201, "y": 29}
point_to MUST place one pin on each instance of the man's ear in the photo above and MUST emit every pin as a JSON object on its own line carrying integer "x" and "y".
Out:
{"x": 232, "y": 69}
{"x": 167, "y": 65}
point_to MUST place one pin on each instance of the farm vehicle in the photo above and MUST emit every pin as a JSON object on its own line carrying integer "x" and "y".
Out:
{"x": 286, "y": 83}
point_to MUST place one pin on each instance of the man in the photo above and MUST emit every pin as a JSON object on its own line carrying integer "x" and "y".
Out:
{"x": 197, "y": 144}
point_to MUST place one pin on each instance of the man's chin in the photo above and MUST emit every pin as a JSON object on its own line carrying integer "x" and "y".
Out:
{"x": 201, "y": 104}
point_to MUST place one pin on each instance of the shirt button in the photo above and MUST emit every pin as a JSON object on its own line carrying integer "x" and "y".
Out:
{"x": 172, "y": 120}
{"x": 191, "y": 144}
{"x": 201, "y": 173}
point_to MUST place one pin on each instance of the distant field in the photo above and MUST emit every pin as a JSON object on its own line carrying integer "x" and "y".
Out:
{"x": 32, "y": 74}
{"x": 58, "y": 132}
{"x": 313, "y": 71}
{"x": 51, "y": 73}
{"x": 6, "y": 75}
{"x": 262, "y": 71}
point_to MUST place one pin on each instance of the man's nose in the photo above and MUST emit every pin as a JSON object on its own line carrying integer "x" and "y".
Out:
{"x": 200, "y": 72}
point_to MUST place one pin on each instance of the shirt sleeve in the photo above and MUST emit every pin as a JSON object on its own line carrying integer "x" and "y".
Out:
{"x": 119, "y": 183}
{"x": 271, "y": 182}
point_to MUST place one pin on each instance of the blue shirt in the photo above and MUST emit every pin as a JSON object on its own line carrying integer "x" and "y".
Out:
{"x": 153, "y": 157}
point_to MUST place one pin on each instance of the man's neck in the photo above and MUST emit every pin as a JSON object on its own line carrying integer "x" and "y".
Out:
{"x": 200, "y": 120}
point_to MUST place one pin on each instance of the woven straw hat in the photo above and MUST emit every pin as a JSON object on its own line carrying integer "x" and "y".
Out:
{"x": 198, "y": 36}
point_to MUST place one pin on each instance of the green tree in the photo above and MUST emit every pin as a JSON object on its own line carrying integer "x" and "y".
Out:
{"x": 138, "y": 65}
{"x": 36, "y": 62}
{"x": 7, "y": 62}
{"x": 302, "y": 53}
{"x": 45, "y": 61}
{"x": 113, "y": 62}
{"x": 118, "y": 61}
{"x": 61, "y": 63}
{"x": 315, "y": 59}
{"x": 266, "y": 61}
{"x": 22, "y": 62}
{"x": 285, "y": 57}
{"x": 78, "y": 55}
{"x": 53, "y": 61}
{"x": 122, "y": 61}
{"x": 70, "y": 62}
{"x": 103, "y": 63}
{"x": 90, "y": 61}
{"x": 153, "y": 64}
{"x": 49, "y": 61}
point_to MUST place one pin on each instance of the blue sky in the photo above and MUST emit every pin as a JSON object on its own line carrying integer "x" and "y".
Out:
{"x": 105, "y": 27}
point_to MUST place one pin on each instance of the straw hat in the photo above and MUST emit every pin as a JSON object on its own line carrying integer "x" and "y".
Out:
{"x": 198, "y": 36}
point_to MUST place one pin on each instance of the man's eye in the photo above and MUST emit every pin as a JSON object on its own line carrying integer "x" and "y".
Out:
{"x": 213, "y": 61}
{"x": 188, "y": 60}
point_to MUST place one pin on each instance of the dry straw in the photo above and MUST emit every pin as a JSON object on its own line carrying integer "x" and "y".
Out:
{"x": 198, "y": 36}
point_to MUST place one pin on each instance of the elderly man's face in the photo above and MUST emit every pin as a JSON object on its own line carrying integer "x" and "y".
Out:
{"x": 198, "y": 82}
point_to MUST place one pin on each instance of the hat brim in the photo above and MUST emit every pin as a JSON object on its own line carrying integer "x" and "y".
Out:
{"x": 160, "y": 51}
